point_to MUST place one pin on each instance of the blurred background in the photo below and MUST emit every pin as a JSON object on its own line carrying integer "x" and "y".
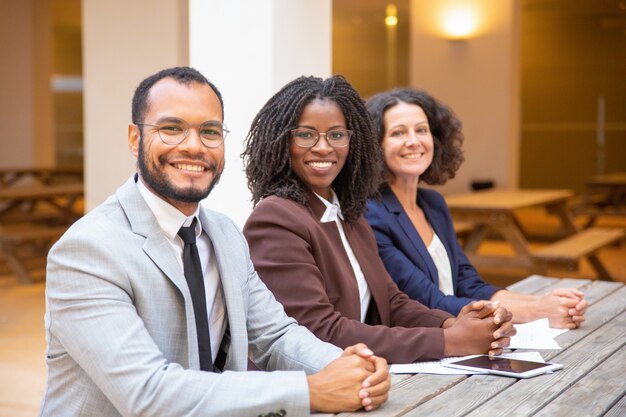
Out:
{"x": 538, "y": 84}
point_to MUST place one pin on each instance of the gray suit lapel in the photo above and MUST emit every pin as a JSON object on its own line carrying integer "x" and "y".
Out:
{"x": 143, "y": 222}
{"x": 156, "y": 246}
{"x": 227, "y": 260}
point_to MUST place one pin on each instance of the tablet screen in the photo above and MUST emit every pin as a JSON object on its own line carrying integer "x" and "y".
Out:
{"x": 495, "y": 363}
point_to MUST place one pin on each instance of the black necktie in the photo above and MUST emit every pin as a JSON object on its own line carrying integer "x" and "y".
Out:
{"x": 195, "y": 281}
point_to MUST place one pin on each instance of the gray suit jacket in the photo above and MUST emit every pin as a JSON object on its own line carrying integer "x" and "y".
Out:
{"x": 120, "y": 326}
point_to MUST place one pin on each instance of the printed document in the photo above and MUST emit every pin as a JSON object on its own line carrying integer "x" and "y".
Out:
{"x": 535, "y": 335}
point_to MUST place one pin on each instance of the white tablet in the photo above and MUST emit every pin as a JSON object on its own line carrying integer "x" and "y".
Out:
{"x": 503, "y": 366}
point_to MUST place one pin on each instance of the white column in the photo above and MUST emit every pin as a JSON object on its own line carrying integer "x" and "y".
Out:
{"x": 250, "y": 49}
{"x": 482, "y": 69}
{"x": 123, "y": 43}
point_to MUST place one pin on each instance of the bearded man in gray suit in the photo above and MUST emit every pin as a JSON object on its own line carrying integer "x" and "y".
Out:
{"x": 120, "y": 321}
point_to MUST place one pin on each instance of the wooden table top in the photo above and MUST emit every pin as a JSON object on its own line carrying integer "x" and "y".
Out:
{"x": 36, "y": 170}
{"x": 592, "y": 382}
{"x": 11, "y": 176}
{"x": 615, "y": 178}
{"x": 40, "y": 191}
{"x": 506, "y": 199}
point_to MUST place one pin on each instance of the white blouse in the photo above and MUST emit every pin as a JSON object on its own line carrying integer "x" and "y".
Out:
{"x": 442, "y": 262}
{"x": 333, "y": 214}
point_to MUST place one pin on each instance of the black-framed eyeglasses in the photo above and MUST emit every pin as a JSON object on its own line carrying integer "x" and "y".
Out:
{"x": 307, "y": 138}
{"x": 172, "y": 132}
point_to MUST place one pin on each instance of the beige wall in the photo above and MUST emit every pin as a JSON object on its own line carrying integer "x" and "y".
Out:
{"x": 45, "y": 144}
{"x": 562, "y": 89}
{"x": 123, "y": 42}
{"x": 479, "y": 79}
{"x": 25, "y": 101}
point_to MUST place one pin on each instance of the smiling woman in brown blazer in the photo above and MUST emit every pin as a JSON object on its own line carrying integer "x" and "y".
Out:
{"x": 312, "y": 161}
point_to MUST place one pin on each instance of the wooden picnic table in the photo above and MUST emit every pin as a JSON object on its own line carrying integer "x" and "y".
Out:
{"x": 495, "y": 210}
{"x": 604, "y": 195}
{"x": 33, "y": 216}
{"x": 42, "y": 175}
{"x": 591, "y": 383}
{"x": 61, "y": 197}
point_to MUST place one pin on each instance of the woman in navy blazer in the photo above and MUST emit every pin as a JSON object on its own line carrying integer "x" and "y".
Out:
{"x": 407, "y": 259}
{"x": 421, "y": 139}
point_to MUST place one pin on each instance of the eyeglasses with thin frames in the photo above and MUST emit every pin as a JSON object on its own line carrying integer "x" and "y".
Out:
{"x": 173, "y": 132}
{"x": 307, "y": 138}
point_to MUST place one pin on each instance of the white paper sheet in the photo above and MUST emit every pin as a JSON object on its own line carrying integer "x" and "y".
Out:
{"x": 435, "y": 367}
{"x": 555, "y": 332}
{"x": 534, "y": 335}
{"x": 430, "y": 367}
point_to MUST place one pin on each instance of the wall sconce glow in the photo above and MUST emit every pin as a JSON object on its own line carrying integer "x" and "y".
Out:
{"x": 391, "y": 18}
{"x": 460, "y": 23}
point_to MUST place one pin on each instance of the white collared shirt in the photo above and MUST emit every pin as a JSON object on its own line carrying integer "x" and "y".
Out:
{"x": 171, "y": 220}
{"x": 442, "y": 262}
{"x": 333, "y": 213}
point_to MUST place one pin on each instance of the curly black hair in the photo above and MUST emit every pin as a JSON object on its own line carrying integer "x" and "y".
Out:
{"x": 267, "y": 159}
{"x": 444, "y": 125}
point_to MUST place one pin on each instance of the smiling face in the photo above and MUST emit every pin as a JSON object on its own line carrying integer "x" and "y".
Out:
{"x": 408, "y": 142}
{"x": 180, "y": 174}
{"x": 318, "y": 166}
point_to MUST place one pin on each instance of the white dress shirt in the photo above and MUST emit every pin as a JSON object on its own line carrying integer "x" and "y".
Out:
{"x": 171, "y": 220}
{"x": 333, "y": 214}
{"x": 442, "y": 262}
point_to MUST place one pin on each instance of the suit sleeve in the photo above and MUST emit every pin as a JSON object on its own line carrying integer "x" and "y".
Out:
{"x": 283, "y": 256}
{"x": 91, "y": 318}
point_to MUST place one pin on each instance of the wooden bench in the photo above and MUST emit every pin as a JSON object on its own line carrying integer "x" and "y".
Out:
{"x": 12, "y": 238}
{"x": 568, "y": 252}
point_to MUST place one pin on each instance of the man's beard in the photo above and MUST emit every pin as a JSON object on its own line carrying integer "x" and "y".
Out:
{"x": 160, "y": 184}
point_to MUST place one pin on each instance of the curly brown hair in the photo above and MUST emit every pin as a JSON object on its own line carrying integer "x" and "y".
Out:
{"x": 267, "y": 159}
{"x": 444, "y": 125}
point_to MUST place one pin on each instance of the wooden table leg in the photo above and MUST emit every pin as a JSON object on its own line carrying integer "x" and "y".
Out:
{"x": 518, "y": 225}
{"x": 599, "y": 267}
{"x": 515, "y": 237}
{"x": 592, "y": 219}
{"x": 66, "y": 209}
{"x": 16, "y": 266}
{"x": 475, "y": 238}
{"x": 568, "y": 222}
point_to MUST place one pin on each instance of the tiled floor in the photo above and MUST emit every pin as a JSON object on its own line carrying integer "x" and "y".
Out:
{"x": 22, "y": 344}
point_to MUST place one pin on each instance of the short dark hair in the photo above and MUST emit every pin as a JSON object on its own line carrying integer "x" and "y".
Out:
{"x": 268, "y": 161}
{"x": 444, "y": 125}
{"x": 182, "y": 75}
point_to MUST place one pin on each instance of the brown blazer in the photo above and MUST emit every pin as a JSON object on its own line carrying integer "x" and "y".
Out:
{"x": 305, "y": 265}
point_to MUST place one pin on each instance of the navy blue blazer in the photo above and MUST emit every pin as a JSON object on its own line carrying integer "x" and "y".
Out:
{"x": 407, "y": 259}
